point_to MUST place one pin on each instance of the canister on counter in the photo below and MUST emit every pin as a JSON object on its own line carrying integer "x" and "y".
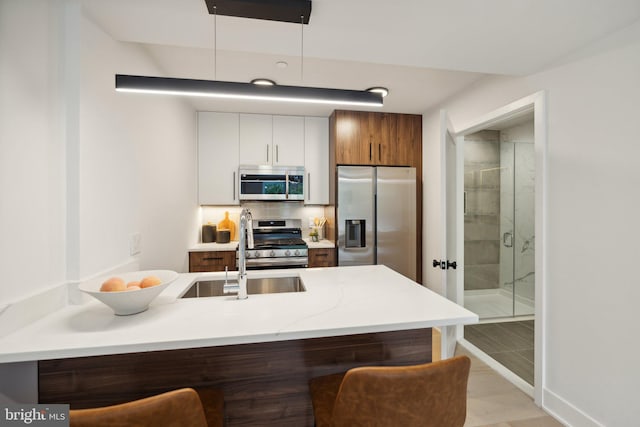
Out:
{"x": 223, "y": 236}
{"x": 208, "y": 233}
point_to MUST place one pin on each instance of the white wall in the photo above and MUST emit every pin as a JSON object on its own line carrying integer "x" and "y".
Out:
{"x": 81, "y": 166}
{"x": 137, "y": 163}
{"x": 32, "y": 151}
{"x": 592, "y": 293}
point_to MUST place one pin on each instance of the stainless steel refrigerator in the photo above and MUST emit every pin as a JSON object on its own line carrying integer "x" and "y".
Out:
{"x": 376, "y": 217}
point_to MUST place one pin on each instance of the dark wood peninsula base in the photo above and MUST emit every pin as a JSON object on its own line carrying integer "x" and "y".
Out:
{"x": 265, "y": 384}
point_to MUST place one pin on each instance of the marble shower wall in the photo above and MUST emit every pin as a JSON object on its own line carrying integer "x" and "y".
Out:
{"x": 517, "y": 212}
{"x": 482, "y": 215}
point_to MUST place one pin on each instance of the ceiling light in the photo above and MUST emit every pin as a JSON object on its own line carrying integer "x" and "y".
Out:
{"x": 263, "y": 82}
{"x": 236, "y": 90}
{"x": 379, "y": 89}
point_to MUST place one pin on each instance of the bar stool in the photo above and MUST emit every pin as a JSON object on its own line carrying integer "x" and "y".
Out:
{"x": 183, "y": 407}
{"x": 427, "y": 395}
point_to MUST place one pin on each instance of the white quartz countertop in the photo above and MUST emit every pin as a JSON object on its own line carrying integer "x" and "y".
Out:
{"x": 206, "y": 247}
{"x": 322, "y": 244}
{"x": 337, "y": 301}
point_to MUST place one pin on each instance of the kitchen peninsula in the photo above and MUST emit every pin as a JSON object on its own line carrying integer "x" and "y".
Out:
{"x": 260, "y": 351}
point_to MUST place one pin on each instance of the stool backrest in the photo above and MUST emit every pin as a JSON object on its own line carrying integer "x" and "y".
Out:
{"x": 432, "y": 394}
{"x": 175, "y": 408}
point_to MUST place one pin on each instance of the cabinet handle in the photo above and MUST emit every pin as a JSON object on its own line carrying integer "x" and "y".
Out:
{"x": 234, "y": 186}
{"x": 212, "y": 258}
{"x": 267, "y": 153}
{"x": 277, "y": 156}
{"x": 379, "y": 152}
{"x": 319, "y": 255}
{"x": 308, "y": 185}
{"x": 369, "y": 149}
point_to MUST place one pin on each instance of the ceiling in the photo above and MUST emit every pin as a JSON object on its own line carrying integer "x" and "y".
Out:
{"x": 424, "y": 51}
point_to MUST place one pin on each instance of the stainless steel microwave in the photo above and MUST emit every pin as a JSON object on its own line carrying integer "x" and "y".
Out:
{"x": 271, "y": 183}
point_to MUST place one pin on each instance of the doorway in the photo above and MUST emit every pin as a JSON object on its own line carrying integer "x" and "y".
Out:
{"x": 500, "y": 236}
{"x": 499, "y": 242}
{"x": 499, "y": 214}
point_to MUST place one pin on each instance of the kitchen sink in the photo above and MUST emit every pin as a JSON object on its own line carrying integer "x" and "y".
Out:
{"x": 265, "y": 285}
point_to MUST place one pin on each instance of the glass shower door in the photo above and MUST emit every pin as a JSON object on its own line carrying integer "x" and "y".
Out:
{"x": 517, "y": 243}
{"x": 499, "y": 212}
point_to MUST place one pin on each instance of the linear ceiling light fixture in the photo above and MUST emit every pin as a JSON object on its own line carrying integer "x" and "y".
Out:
{"x": 249, "y": 91}
{"x": 277, "y": 10}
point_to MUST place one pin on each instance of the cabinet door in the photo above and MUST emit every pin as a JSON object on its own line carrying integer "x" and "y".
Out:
{"x": 408, "y": 140}
{"x": 218, "y": 150}
{"x": 256, "y": 138}
{"x": 386, "y": 150}
{"x": 316, "y": 160}
{"x": 212, "y": 261}
{"x": 351, "y": 140}
{"x": 324, "y": 257}
{"x": 288, "y": 141}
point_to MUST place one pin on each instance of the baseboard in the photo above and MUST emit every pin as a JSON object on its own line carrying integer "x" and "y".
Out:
{"x": 553, "y": 404}
{"x": 565, "y": 412}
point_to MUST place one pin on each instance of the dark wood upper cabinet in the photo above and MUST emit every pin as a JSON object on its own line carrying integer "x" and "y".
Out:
{"x": 353, "y": 137}
{"x": 368, "y": 138}
{"x": 408, "y": 140}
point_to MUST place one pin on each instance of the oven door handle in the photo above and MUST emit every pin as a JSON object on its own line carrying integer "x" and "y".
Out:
{"x": 299, "y": 262}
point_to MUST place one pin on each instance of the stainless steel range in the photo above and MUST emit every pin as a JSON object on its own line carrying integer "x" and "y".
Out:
{"x": 277, "y": 244}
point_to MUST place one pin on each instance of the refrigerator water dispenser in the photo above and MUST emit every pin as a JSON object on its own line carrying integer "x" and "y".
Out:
{"x": 355, "y": 233}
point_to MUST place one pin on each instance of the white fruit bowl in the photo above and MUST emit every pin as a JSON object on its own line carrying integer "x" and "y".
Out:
{"x": 124, "y": 303}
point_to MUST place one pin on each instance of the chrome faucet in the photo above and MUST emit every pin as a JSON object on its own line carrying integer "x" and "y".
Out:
{"x": 246, "y": 240}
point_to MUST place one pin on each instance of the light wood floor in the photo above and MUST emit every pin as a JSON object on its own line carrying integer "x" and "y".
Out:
{"x": 493, "y": 401}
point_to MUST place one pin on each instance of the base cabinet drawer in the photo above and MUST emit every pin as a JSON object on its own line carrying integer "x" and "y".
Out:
{"x": 212, "y": 261}
{"x": 325, "y": 257}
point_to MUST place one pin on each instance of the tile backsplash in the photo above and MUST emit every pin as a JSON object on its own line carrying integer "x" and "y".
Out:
{"x": 264, "y": 210}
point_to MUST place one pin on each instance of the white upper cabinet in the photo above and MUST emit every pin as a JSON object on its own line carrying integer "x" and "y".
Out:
{"x": 218, "y": 158}
{"x": 271, "y": 140}
{"x": 256, "y": 139}
{"x": 288, "y": 141}
{"x": 316, "y": 160}
{"x": 228, "y": 140}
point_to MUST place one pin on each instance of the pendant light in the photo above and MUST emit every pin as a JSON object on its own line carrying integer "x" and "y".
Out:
{"x": 247, "y": 91}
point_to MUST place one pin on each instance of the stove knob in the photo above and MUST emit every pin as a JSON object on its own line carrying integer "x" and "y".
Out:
{"x": 287, "y": 252}
{"x": 257, "y": 254}
{"x": 297, "y": 252}
{"x": 272, "y": 253}
{"x": 248, "y": 254}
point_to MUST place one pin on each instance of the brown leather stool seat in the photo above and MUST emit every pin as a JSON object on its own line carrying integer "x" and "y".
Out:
{"x": 183, "y": 407}
{"x": 428, "y": 395}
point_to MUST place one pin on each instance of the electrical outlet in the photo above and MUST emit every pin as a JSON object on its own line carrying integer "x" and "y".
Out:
{"x": 135, "y": 244}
